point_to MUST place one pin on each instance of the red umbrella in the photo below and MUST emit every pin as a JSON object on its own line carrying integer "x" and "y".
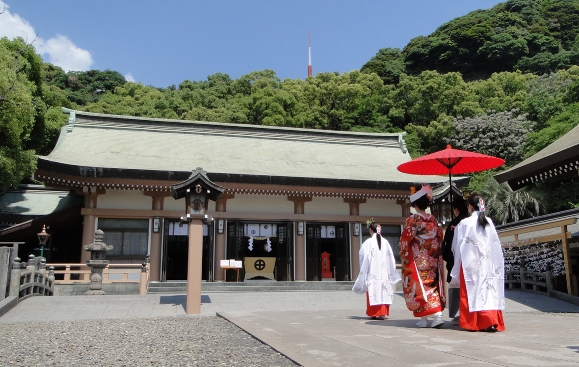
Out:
{"x": 450, "y": 161}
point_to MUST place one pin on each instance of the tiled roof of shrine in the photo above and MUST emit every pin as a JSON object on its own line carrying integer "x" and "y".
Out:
{"x": 109, "y": 146}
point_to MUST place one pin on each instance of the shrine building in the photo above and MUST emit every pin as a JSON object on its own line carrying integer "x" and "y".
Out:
{"x": 295, "y": 199}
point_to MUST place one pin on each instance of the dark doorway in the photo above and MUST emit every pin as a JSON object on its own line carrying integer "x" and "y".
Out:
{"x": 333, "y": 239}
{"x": 391, "y": 233}
{"x": 267, "y": 240}
{"x": 176, "y": 250}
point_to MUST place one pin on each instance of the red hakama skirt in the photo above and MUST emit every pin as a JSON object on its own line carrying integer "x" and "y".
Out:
{"x": 478, "y": 320}
{"x": 376, "y": 310}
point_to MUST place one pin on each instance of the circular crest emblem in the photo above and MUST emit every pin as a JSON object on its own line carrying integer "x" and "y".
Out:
{"x": 259, "y": 264}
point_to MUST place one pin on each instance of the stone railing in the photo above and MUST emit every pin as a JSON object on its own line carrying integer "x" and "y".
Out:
{"x": 33, "y": 280}
{"x": 71, "y": 273}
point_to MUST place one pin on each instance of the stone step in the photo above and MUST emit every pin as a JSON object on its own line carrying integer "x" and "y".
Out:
{"x": 252, "y": 286}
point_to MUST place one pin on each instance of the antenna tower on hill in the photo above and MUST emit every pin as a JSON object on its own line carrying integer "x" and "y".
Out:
{"x": 309, "y": 55}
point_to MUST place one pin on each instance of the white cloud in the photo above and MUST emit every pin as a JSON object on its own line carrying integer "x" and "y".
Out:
{"x": 59, "y": 50}
{"x": 129, "y": 77}
{"x": 13, "y": 26}
{"x": 62, "y": 52}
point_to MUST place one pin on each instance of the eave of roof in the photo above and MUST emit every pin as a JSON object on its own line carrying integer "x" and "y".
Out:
{"x": 109, "y": 146}
{"x": 443, "y": 190}
{"x": 543, "y": 219}
{"x": 559, "y": 156}
{"x": 35, "y": 201}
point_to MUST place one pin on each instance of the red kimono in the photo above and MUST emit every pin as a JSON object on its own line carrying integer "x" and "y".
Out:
{"x": 422, "y": 265}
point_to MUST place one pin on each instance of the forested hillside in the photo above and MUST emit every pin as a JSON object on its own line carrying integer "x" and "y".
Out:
{"x": 502, "y": 81}
{"x": 533, "y": 36}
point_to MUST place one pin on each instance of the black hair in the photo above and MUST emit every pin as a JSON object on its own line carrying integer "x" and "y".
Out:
{"x": 422, "y": 202}
{"x": 473, "y": 200}
{"x": 460, "y": 204}
{"x": 373, "y": 226}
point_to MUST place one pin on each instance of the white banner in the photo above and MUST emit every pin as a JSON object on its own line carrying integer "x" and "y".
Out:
{"x": 252, "y": 230}
{"x": 331, "y": 232}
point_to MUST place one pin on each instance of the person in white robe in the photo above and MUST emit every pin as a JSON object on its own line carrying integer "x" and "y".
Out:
{"x": 479, "y": 269}
{"x": 378, "y": 275}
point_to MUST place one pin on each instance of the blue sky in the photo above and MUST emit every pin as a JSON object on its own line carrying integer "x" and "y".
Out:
{"x": 161, "y": 43}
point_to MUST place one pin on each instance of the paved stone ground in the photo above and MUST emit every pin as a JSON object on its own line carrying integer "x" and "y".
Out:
{"x": 311, "y": 328}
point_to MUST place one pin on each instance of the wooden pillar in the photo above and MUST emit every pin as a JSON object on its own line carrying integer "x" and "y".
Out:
{"x": 158, "y": 199}
{"x": 194, "y": 265}
{"x": 571, "y": 286}
{"x": 220, "y": 238}
{"x": 300, "y": 239}
{"x": 89, "y": 221}
{"x": 355, "y": 240}
{"x": 405, "y": 205}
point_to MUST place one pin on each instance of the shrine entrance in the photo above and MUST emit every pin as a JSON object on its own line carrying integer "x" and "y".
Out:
{"x": 266, "y": 249}
{"x": 176, "y": 248}
{"x": 327, "y": 252}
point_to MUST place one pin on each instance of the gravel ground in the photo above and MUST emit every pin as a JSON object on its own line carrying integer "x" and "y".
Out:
{"x": 182, "y": 341}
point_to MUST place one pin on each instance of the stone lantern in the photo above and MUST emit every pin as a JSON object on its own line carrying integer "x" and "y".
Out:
{"x": 197, "y": 191}
{"x": 97, "y": 262}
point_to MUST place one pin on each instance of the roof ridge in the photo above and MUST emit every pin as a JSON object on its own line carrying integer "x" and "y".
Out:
{"x": 138, "y": 120}
{"x": 245, "y": 134}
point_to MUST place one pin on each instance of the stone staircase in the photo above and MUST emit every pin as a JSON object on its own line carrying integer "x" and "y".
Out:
{"x": 251, "y": 286}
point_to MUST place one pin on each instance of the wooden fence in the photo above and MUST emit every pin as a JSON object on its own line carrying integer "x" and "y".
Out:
{"x": 530, "y": 281}
{"x": 541, "y": 230}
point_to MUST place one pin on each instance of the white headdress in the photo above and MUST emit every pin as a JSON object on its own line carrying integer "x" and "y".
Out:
{"x": 425, "y": 190}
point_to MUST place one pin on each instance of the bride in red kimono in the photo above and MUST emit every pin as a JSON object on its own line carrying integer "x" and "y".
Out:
{"x": 422, "y": 265}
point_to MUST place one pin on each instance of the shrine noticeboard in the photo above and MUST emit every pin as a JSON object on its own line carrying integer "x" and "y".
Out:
{"x": 259, "y": 267}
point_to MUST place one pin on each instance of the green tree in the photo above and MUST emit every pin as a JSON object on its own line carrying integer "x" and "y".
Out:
{"x": 556, "y": 127}
{"x": 17, "y": 112}
{"x": 84, "y": 87}
{"x": 388, "y": 64}
{"x": 559, "y": 195}
{"x": 505, "y": 205}
{"x": 134, "y": 99}
{"x": 530, "y": 35}
{"x": 503, "y": 91}
{"x": 421, "y": 99}
{"x": 423, "y": 140}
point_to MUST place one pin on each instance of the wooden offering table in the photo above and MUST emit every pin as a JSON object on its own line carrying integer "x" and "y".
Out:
{"x": 231, "y": 264}
{"x": 259, "y": 267}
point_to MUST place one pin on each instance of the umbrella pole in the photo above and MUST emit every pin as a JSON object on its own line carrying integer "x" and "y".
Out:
{"x": 451, "y": 198}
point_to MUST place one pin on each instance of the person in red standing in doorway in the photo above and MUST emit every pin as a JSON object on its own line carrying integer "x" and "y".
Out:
{"x": 479, "y": 266}
{"x": 422, "y": 265}
{"x": 378, "y": 275}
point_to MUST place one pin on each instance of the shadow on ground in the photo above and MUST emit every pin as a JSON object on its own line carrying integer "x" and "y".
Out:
{"x": 409, "y": 324}
{"x": 180, "y": 299}
{"x": 537, "y": 302}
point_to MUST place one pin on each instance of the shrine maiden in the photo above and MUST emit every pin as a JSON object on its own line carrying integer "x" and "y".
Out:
{"x": 378, "y": 274}
{"x": 479, "y": 266}
{"x": 422, "y": 265}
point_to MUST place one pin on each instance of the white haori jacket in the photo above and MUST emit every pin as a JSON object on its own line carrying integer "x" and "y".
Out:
{"x": 479, "y": 252}
{"x": 378, "y": 273}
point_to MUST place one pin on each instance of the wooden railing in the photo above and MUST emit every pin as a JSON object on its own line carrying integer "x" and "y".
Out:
{"x": 530, "y": 281}
{"x": 545, "y": 229}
